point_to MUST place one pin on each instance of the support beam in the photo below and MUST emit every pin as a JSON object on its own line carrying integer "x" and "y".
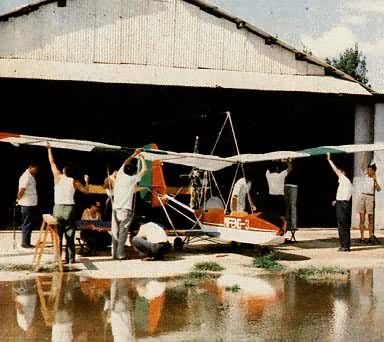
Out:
{"x": 379, "y": 160}
{"x": 364, "y": 133}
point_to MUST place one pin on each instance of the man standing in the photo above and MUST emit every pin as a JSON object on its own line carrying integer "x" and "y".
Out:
{"x": 240, "y": 194}
{"x": 124, "y": 189}
{"x": 64, "y": 208}
{"x": 367, "y": 200}
{"x": 276, "y": 180}
{"x": 343, "y": 207}
{"x": 27, "y": 199}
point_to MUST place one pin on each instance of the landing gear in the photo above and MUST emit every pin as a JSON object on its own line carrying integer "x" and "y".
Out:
{"x": 178, "y": 244}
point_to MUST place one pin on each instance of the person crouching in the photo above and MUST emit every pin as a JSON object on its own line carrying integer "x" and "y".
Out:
{"x": 151, "y": 242}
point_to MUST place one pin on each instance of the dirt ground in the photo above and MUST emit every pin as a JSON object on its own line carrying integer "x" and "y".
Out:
{"x": 314, "y": 247}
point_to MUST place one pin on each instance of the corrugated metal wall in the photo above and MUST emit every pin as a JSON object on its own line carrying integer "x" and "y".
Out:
{"x": 169, "y": 33}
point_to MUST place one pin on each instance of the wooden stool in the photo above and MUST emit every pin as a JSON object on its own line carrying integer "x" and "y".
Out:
{"x": 48, "y": 227}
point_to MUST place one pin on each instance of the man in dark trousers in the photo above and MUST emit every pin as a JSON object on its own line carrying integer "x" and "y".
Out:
{"x": 343, "y": 207}
{"x": 26, "y": 198}
{"x": 151, "y": 241}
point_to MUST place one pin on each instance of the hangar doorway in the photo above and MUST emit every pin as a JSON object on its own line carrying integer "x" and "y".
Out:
{"x": 133, "y": 115}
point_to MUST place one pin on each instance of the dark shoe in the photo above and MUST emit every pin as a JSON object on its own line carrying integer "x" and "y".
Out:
{"x": 27, "y": 246}
{"x": 362, "y": 241}
{"x": 343, "y": 249}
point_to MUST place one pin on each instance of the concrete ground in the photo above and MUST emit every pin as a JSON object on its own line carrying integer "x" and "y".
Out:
{"x": 314, "y": 247}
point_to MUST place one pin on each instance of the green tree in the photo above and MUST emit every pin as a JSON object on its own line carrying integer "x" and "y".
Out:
{"x": 352, "y": 62}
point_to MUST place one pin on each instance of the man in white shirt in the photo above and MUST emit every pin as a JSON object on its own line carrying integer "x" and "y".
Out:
{"x": 27, "y": 199}
{"x": 64, "y": 208}
{"x": 151, "y": 241}
{"x": 367, "y": 200}
{"x": 343, "y": 206}
{"x": 276, "y": 181}
{"x": 124, "y": 189}
{"x": 240, "y": 195}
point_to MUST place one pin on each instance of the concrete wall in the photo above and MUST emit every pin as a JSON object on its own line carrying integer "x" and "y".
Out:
{"x": 364, "y": 133}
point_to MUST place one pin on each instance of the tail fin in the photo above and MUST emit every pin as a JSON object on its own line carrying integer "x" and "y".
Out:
{"x": 153, "y": 180}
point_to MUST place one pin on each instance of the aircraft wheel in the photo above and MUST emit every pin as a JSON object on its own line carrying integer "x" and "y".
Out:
{"x": 178, "y": 244}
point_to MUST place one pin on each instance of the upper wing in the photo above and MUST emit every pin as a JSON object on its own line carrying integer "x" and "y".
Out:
{"x": 200, "y": 161}
{"x": 214, "y": 163}
{"x": 79, "y": 145}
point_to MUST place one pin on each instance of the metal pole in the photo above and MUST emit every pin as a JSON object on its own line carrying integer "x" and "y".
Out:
{"x": 14, "y": 225}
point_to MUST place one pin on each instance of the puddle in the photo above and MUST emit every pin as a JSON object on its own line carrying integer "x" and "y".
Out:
{"x": 67, "y": 307}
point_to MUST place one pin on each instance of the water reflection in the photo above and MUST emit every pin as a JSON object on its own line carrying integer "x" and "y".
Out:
{"x": 281, "y": 308}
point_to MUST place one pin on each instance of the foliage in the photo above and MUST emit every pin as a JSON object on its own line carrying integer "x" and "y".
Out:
{"x": 195, "y": 277}
{"x": 208, "y": 266}
{"x": 233, "y": 288}
{"x": 352, "y": 62}
{"x": 324, "y": 273}
{"x": 268, "y": 262}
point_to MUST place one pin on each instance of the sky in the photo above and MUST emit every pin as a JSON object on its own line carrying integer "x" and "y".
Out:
{"x": 326, "y": 27}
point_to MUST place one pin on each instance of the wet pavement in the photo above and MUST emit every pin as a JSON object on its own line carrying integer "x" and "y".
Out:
{"x": 68, "y": 307}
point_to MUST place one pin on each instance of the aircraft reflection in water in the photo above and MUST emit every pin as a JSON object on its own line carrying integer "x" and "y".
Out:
{"x": 71, "y": 308}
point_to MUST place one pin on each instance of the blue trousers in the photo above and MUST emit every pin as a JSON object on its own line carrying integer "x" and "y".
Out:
{"x": 28, "y": 217}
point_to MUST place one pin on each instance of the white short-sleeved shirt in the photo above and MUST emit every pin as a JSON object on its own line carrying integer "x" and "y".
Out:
{"x": 276, "y": 181}
{"x": 344, "y": 190}
{"x": 28, "y": 182}
{"x": 124, "y": 189}
{"x": 367, "y": 185}
{"x": 241, "y": 190}
{"x": 153, "y": 232}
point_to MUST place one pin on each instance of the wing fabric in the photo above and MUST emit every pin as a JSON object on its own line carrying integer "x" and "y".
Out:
{"x": 200, "y": 161}
{"x": 214, "y": 163}
{"x": 71, "y": 144}
{"x": 196, "y": 160}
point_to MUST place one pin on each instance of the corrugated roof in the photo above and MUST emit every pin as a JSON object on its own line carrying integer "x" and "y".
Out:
{"x": 221, "y": 13}
{"x": 152, "y": 75}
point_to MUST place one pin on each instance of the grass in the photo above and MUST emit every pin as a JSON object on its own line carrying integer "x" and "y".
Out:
{"x": 323, "y": 273}
{"x": 16, "y": 267}
{"x": 233, "y": 288}
{"x": 200, "y": 273}
{"x": 208, "y": 266}
{"x": 268, "y": 262}
{"x": 27, "y": 268}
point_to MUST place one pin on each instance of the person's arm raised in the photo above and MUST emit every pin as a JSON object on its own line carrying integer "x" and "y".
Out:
{"x": 55, "y": 170}
{"x": 333, "y": 166}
